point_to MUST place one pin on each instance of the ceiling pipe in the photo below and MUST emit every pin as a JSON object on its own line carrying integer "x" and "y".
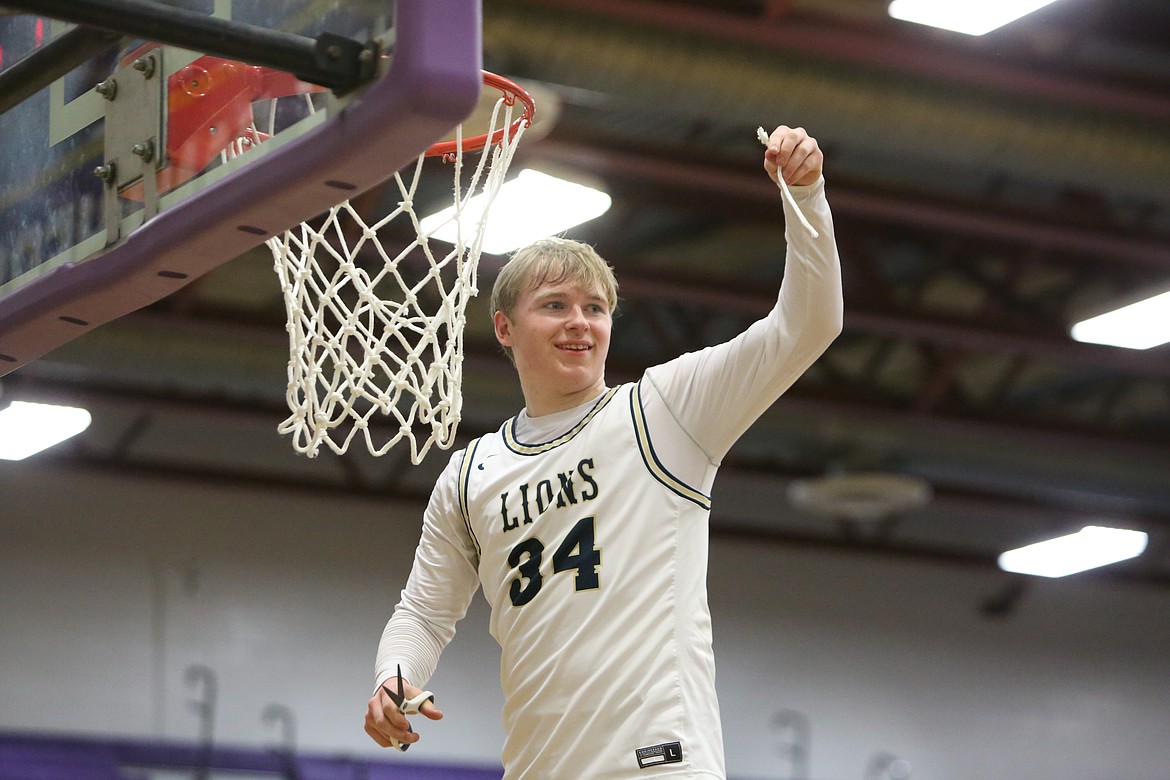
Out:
{"x": 681, "y": 67}
{"x": 890, "y": 47}
{"x": 711, "y": 295}
{"x": 483, "y": 360}
{"x": 744, "y": 190}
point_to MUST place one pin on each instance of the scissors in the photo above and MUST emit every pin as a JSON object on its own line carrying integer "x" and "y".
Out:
{"x": 406, "y": 706}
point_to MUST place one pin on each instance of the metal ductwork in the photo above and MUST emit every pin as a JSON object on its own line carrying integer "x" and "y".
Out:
{"x": 696, "y": 65}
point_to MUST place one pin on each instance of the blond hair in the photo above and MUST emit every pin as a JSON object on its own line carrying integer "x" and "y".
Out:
{"x": 552, "y": 261}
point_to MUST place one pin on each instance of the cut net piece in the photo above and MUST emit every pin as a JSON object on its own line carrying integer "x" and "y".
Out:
{"x": 376, "y": 329}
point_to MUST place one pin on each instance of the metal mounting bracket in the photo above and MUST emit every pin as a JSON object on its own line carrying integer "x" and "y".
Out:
{"x": 135, "y": 136}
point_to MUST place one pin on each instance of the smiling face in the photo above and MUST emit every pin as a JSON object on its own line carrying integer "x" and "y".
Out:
{"x": 553, "y": 307}
{"x": 559, "y": 337}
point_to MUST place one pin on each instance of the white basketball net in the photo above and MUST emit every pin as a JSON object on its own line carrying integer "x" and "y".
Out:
{"x": 376, "y": 329}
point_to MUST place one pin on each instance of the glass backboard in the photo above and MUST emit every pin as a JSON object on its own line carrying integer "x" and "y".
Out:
{"x": 80, "y": 245}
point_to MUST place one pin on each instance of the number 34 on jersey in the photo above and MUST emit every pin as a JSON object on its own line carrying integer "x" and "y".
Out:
{"x": 577, "y": 553}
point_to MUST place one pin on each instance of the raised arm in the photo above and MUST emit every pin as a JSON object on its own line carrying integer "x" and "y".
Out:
{"x": 715, "y": 394}
{"x": 795, "y": 154}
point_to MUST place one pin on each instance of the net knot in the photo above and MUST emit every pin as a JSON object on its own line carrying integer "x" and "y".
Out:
{"x": 376, "y": 318}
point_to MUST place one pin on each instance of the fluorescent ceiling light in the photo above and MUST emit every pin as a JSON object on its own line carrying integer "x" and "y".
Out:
{"x": 1088, "y": 548}
{"x": 1140, "y": 325}
{"x": 531, "y": 206}
{"x": 27, "y": 428}
{"x": 973, "y": 17}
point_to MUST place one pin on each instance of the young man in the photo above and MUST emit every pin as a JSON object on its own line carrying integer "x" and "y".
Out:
{"x": 584, "y": 518}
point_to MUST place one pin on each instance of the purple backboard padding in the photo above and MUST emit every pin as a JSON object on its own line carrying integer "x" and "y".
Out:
{"x": 433, "y": 83}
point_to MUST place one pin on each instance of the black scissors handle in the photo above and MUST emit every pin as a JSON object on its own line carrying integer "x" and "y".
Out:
{"x": 406, "y": 707}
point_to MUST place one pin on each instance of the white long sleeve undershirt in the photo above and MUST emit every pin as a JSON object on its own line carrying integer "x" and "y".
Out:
{"x": 710, "y": 396}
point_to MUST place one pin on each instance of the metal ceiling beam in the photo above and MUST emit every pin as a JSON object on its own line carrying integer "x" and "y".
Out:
{"x": 894, "y": 48}
{"x": 484, "y": 358}
{"x": 713, "y": 294}
{"x": 653, "y": 81}
{"x": 800, "y": 401}
{"x": 752, "y": 193}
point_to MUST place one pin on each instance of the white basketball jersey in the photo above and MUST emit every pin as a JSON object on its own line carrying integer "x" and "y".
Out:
{"x": 590, "y": 543}
{"x": 594, "y": 560}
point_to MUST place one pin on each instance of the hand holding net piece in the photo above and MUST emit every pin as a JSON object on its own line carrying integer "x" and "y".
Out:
{"x": 762, "y": 134}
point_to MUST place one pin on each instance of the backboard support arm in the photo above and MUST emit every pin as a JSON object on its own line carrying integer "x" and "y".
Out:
{"x": 29, "y": 75}
{"x": 331, "y": 61}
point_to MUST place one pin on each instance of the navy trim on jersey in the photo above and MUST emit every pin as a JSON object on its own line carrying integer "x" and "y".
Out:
{"x": 464, "y": 485}
{"x": 650, "y": 457}
{"x": 518, "y": 447}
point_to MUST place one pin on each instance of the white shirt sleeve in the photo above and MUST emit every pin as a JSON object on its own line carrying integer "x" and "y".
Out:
{"x": 438, "y": 592}
{"x": 715, "y": 394}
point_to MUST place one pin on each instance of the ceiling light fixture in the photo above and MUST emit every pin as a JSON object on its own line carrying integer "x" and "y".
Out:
{"x": 27, "y": 428}
{"x": 861, "y": 497}
{"x": 1088, "y": 548}
{"x": 531, "y": 206}
{"x": 1139, "y": 325}
{"x": 973, "y": 17}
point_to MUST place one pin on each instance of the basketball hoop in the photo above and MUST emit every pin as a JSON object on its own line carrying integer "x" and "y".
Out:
{"x": 510, "y": 92}
{"x": 375, "y": 327}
